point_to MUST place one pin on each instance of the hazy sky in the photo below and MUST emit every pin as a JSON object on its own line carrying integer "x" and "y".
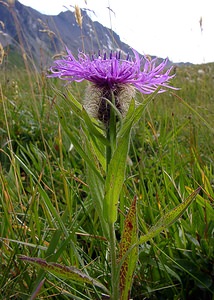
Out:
{"x": 165, "y": 28}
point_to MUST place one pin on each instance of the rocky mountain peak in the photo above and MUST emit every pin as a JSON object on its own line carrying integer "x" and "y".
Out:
{"x": 43, "y": 36}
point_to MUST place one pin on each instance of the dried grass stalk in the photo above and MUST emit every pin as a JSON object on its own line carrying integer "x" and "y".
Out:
{"x": 2, "y": 53}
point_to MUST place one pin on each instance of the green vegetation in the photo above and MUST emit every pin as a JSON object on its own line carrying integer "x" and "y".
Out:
{"x": 48, "y": 212}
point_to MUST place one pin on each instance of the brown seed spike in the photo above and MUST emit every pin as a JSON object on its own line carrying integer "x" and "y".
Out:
{"x": 78, "y": 16}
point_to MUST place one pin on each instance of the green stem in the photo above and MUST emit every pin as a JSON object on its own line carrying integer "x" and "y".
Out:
{"x": 113, "y": 255}
{"x": 111, "y": 134}
{"x": 108, "y": 149}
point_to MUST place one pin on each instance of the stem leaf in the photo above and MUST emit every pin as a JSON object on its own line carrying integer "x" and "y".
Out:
{"x": 63, "y": 271}
{"x": 169, "y": 218}
{"x": 115, "y": 177}
{"x": 117, "y": 167}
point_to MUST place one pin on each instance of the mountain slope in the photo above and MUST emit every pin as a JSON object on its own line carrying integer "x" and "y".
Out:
{"x": 40, "y": 36}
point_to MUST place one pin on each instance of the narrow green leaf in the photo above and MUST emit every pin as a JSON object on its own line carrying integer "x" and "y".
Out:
{"x": 135, "y": 112}
{"x": 115, "y": 177}
{"x": 99, "y": 151}
{"x": 70, "y": 273}
{"x": 92, "y": 128}
{"x": 116, "y": 171}
{"x": 128, "y": 120}
{"x": 129, "y": 238}
{"x": 195, "y": 112}
{"x": 75, "y": 141}
{"x": 187, "y": 266}
{"x": 78, "y": 109}
{"x": 46, "y": 200}
{"x": 117, "y": 167}
{"x": 169, "y": 218}
{"x": 96, "y": 186}
{"x": 75, "y": 105}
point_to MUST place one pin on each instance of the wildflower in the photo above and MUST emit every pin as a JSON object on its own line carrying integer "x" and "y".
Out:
{"x": 112, "y": 77}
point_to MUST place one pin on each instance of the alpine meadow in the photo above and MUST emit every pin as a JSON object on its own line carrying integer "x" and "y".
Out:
{"x": 106, "y": 176}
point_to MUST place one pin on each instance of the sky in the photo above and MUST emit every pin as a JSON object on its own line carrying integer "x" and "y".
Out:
{"x": 182, "y": 30}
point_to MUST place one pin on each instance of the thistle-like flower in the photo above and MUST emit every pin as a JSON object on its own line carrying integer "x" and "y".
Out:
{"x": 112, "y": 77}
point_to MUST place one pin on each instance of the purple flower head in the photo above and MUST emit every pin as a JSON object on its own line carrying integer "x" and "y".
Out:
{"x": 113, "y": 70}
{"x": 112, "y": 76}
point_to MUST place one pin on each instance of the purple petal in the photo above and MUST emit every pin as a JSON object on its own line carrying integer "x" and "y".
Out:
{"x": 102, "y": 70}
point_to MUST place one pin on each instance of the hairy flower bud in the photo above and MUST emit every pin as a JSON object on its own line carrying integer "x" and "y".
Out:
{"x": 96, "y": 100}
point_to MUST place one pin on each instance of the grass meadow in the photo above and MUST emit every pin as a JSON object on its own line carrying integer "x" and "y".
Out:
{"x": 48, "y": 212}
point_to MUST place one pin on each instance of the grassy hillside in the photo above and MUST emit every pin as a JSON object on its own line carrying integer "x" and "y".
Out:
{"x": 47, "y": 211}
